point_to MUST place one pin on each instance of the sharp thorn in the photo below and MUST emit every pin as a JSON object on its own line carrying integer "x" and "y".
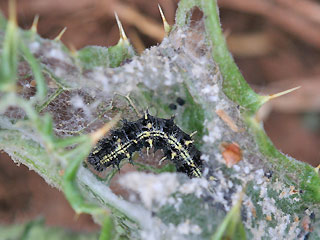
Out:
{"x": 283, "y": 93}
{"x": 13, "y": 11}
{"x": 123, "y": 36}
{"x": 270, "y": 97}
{"x": 166, "y": 26}
{"x": 34, "y": 27}
{"x": 58, "y": 38}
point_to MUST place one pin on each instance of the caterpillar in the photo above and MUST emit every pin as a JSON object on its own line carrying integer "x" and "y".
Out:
{"x": 148, "y": 131}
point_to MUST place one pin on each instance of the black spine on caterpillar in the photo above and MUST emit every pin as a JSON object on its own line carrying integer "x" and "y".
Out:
{"x": 149, "y": 131}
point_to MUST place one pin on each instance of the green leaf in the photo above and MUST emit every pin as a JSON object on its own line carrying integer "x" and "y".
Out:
{"x": 231, "y": 226}
{"x": 95, "y": 56}
{"x": 9, "y": 57}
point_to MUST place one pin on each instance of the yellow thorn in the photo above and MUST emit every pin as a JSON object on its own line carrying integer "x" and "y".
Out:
{"x": 13, "y": 12}
{"x": 166, "y": 26}
{"x": 272, "y": 96}
{"x": 34, "y": 27}
{"x": 284, "y": 92}
{"x": 95, "y": 136}
{"x": 316, "y": 169}
{"x": 123, "y": 36}
{"x": 58, "y": 38}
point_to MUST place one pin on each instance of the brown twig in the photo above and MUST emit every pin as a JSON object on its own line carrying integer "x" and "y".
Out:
{"x": 145, "y": 24}
{"x": 282, "y": 16}
{"x": 251, "y": 44}
{"x": 308, "y": 9}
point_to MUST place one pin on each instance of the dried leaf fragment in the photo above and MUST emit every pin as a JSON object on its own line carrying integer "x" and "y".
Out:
{"x": 228, "y": 120}
{"x": 231, "y": 153}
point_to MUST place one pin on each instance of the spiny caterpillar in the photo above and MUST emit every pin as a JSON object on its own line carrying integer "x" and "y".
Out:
{"x": 148, "y": 131}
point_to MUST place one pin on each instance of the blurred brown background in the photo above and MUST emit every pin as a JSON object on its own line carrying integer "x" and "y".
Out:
{"x": 276, "y": 45}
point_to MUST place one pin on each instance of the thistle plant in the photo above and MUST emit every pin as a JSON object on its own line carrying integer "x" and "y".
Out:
{"x": 56, "y": 104}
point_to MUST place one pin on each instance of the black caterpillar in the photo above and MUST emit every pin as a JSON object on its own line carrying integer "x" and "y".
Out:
{"x": 149, "y": 131}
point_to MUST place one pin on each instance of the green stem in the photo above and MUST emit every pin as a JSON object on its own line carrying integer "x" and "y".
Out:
{"x": 39, "y": 108}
